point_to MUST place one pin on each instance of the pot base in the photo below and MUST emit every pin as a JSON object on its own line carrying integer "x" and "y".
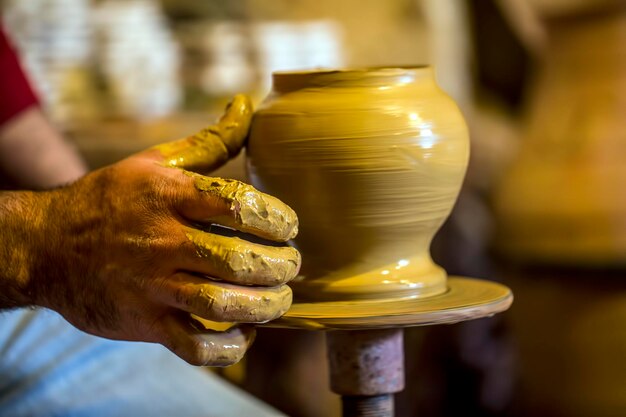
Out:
{"x": 415, "y": 277}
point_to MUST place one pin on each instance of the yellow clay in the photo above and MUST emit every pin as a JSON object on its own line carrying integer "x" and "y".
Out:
{"x": 222, "y": 302}
{"x": 223, "y": 348}
{"x": 372, "y": 161}
{"x": 254, "y": 212}
{"x": 239, "y": 261}
{"x": 211, "y": 147}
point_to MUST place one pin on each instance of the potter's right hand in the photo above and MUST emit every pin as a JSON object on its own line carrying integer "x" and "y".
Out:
{"x": 127, "y": 252}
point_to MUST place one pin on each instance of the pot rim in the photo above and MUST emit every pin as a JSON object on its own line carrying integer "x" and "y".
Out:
{"x": 284, "y": 81}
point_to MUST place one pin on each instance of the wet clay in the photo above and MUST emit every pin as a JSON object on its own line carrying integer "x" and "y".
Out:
{"x": 241, "y": 262}
{"x": 213, "y": 146}
{"x": 372, "y": 161}
{"x": 224, "y": 302}
{"x": 230, "y": 260}
{"x": 253, "y": 211}
{"x": 221, "y": 348}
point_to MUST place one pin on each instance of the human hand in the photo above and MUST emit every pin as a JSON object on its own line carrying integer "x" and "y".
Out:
{"x": 128, "y": 251}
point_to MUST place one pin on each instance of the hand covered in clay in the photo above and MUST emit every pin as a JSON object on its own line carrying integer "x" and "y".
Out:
{"x": 128, "y": 253}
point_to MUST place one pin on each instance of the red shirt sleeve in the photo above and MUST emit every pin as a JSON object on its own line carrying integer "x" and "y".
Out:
{"x": 16, "y": 94}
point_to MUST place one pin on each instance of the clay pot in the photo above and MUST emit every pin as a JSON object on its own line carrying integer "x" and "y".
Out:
{"x": 372, "y": 161}
{"x": 563, "y": 200}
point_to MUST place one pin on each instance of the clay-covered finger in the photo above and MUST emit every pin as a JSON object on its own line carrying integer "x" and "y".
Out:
{"x": 240, "y": 206}
{"x": 241, "y": 262}
{"x": 202, "y": 347}
{"x": 222, "y": 302}
{"x": 234, "y": 125}
{"x": 211, "y": 147}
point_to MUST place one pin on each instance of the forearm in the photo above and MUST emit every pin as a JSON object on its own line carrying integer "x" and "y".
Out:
{"x": 35, "y": 155}
{"x": 48, "y": 254}
{"x": 21, "y": 222}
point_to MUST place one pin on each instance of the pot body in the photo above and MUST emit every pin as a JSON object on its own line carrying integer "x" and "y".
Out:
{"x": 372, "y": 161}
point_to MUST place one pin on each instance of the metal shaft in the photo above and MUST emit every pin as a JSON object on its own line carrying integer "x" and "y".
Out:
{"x": 367, "y": 406}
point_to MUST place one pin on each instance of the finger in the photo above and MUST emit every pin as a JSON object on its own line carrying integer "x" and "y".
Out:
{"x": 202, "y": 347}
{"x": 239, "y": 261}
{"x": 213, "y": 146}
{"x": 219, "y": 301}
{"x": 239, "y": 206}
{"x": 234, "y": 125}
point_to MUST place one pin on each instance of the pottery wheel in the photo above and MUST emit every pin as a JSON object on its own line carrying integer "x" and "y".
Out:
{"x": 465, "y": 299}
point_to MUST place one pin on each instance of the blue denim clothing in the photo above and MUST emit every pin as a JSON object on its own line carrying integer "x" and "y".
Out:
{"x": 49, "y": 368}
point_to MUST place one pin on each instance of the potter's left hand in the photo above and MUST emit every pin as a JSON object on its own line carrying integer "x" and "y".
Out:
{"x": 127, "y": 252}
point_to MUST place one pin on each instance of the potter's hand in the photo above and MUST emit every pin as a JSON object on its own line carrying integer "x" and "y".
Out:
{"x": 123, "y": 255}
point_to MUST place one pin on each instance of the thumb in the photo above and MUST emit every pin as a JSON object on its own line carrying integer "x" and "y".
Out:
{"x": 213, "y": 146}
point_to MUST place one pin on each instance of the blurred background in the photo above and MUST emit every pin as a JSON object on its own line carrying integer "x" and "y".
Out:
{"x": 542, "y": 84}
